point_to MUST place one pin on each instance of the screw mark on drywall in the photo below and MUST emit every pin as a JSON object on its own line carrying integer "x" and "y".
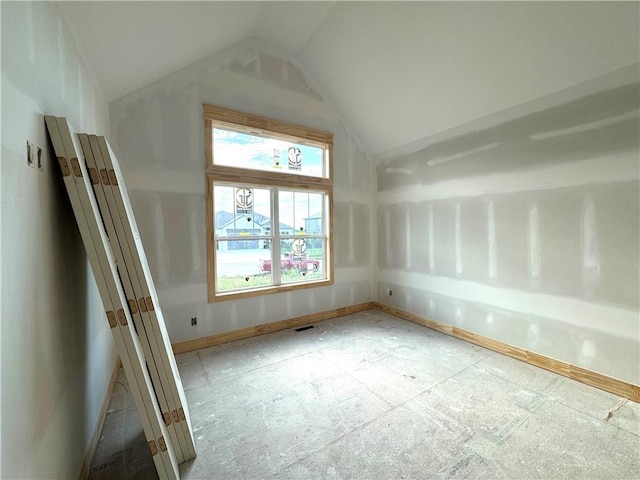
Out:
{"x": 534, "y": 245}
{"x": 491, "y": 234}
{"x": 458, "y": 240}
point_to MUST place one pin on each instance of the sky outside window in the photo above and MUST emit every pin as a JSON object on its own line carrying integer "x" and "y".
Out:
{"x": 243, "y": 150}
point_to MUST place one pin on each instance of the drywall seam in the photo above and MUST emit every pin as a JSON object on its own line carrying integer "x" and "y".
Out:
{"x": 617, "y": 78}
{"x": 458, "y": 240}
{"x": 585, "y": 314}
{"x": 373, "y": 253}
{"x": 607, "y": 169}
{"x": 590, "y": 248}
{"x": 586, "y": 127}
{"x": 431, "y": 241}
{"x": 534, "y": 246}
{"x": 491, "y": 240}
{"x": 188, "y": 182}
{"x": 407, "y": 239}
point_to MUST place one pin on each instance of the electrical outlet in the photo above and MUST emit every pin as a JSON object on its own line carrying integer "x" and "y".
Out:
{"x": 194, "y": 321}
{"x": 34, "y": 156}
{"x": 389, "y": 291}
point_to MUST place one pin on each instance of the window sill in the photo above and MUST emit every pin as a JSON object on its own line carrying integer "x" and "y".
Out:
{"x": 221, "y": 297}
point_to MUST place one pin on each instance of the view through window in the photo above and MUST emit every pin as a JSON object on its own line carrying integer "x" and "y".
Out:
{"x": 269, "y": 197}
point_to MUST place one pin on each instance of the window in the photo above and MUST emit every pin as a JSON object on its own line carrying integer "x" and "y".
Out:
{"x": 269, "y": 193}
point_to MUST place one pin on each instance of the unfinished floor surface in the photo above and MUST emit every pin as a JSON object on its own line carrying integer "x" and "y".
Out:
{"x": 371, "y": 396}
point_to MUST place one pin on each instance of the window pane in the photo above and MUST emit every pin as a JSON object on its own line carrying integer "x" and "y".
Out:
{"x": 303, "y": 210}
{"x": 245, "y": 150}
{"x": 242, "y": 264}
{"x": 314, "y": 223}
{"x": 241, "y": 211}
{"x": 300, "y": 261}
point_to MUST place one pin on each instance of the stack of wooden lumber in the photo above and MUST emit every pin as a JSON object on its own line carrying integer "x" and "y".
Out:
{"x": 101, "y": 206}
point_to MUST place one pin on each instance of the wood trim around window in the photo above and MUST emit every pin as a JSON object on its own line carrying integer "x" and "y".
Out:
{"x": 216, "y": 116}
{"x": 265, "y": 126}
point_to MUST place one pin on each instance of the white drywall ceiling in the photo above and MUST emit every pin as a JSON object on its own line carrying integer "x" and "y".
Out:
{"x": 131, "y": 44}
{"x": 398, "y": 72}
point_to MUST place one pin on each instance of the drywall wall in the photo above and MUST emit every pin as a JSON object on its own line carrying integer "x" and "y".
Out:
{"x": 527, "y": 230}
{"x": 57, "y": 351}
{"x": 158, "y": 134}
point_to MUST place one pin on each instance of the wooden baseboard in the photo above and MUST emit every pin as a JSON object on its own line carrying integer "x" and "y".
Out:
{"x": 204, "y": 342}
{"x": 598, "y": 380}
{"x": 95, "y": 437}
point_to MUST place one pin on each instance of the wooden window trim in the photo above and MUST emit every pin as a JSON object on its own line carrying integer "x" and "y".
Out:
{"x": 253, "y": 124}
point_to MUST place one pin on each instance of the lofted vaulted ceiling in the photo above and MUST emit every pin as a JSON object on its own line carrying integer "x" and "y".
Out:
{"x": 398, "y": 72}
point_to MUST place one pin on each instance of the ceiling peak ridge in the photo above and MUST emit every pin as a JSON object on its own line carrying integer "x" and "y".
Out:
{"x": 293, "y": 71}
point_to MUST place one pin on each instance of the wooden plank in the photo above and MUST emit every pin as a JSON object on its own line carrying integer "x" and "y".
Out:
{"x": 236, "y": 294}
{"x": 589, "y": 377}
{"x": 249, "y": 177}
{"x": 165, "y": 381}
{"x": 130, "y": 283}
{"x": 264, "y": 126}
{"x": 144, "y": 288}
{"x": 210, "y": 341}
{"x": 76, "y": 181}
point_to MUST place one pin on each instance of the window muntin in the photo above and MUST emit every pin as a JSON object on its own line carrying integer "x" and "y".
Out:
{"x": 295, "y": 254}
{"x": 245, "y": 237}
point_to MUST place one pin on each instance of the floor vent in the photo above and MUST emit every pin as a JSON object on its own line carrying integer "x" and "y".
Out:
{"x": 302, "y": 329}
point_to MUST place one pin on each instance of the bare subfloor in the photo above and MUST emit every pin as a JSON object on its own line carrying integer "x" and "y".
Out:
{"x": 370, "y": 396}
